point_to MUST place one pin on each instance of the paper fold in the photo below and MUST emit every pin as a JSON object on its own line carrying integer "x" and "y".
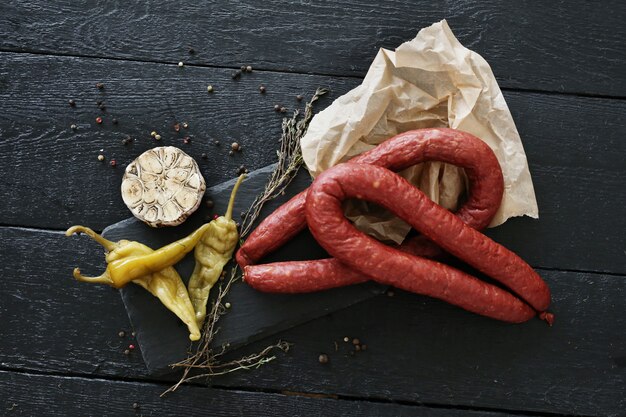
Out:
{"x": 430, "y": 81}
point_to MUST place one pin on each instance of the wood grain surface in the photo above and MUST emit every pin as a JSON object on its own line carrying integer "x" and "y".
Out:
{"x": 557, "y": 46}
{"x": 562, "y": 66}
{"x": 31, "y": 394}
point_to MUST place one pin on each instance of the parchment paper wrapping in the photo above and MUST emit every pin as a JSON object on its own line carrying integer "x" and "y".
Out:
{"x": 430, "y": 81}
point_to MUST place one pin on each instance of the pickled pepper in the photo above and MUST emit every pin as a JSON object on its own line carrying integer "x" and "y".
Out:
{"x": 212, "y": 253}
{"x": 152, "y": 269}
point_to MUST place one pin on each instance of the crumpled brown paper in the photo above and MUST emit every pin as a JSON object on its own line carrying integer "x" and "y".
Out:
{"x": 430, "y": 81}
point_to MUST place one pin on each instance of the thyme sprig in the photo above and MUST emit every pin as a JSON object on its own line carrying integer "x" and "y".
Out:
{"x": 206, "y": 359}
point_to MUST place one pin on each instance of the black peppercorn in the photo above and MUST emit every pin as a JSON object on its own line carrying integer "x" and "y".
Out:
{"x": 236, "y": 74}
{"x": 100, "y": 86}
{"x": 276, "y": 107}
{"x": 209, "y": 203}
{"x": 114, "y": 121}
{"x": 204, "y": 156}
{"x": 72, "y": 103}
{"x": 299, "y": 97}
{"x": 243, "y": 68}
{"x": 283, "y": 110}
{"x": 216, "y": 142}
{"x": 262, "y": 89}
{"x": 191, "y": 51}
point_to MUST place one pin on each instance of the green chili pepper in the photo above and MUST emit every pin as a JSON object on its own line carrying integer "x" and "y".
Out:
{"x": 132, "y": 261}
{"x": 212, "y": 253}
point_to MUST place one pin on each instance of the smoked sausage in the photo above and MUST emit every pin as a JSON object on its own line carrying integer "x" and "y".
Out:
{"x": 362, "y": 253}
{"x": 400, "y": 152}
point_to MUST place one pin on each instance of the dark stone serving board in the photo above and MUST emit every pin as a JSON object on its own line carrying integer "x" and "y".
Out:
{"x": 163, "y": 338}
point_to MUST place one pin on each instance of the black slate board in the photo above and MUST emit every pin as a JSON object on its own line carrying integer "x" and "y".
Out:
{"x": 163, "y": 338}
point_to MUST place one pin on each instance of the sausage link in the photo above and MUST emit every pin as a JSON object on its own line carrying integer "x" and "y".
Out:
{"x": 398, "y": 153}
{"x": 362, "y": 253}
{"x": 301, "y": 276}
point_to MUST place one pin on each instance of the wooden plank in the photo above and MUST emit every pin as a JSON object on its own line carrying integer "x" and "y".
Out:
{"x": 565, "y": 46}
{"x": 575, "y": 147}
{"x": 418, "y": 350}
{"x": 31, "y": 394}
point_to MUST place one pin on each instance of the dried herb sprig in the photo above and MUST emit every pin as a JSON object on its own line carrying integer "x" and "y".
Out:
{"x": 205, "y": 359}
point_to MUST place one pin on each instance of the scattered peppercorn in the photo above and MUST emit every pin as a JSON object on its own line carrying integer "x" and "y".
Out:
{"x": 101, "y": 157}
{"x": 181, "y": 64}
{"x": 191, "y": 51}
{"x": 122, "y": 333}
{"x": 356, "y": 341}
{"x": 99, "y": 120}
{"x": 209, "y": 203}
{"x": 235, "y": 146}
{"x": 243, "y": 213}
{"x": 114, "y": 121}
{"x": 283, "y": 110}
{"x": 177, "y": 126}
{"x": 100, "y": 86}
{"x": 131, "y": 346}
{"x": 235, "y": 75}
{"x": 157, "y": 137}
{"x": 346, "y": 339}
{"x": 185, "y": 125}
{"x": 231, "y": 153}
{"x": 186, "y": 140}
{"x": 113, "y": 162}
{"x": 153, "y": 133}
{"x": 262, "y": 89}
{"x": 276, "y": 107}
{"x": 73, "y": 127}
{"x": 242, "y": 170}
{"x": 126, "y": 352}
{"x": 323, "y": 358}
{"x": 102, "y": 107}
{"x": 299, "y": 97}
{"x": 204, "y": 156}
{"x": 135, "y": 406}
{"x": 216, "y": 142}
{"x": 209, "y": 88}
{"x": 133, "y": 334}
{"x": 243, "y": 68}
{"x": 249, "y": 68}
{"x": 357, "y": 348}
{"x": 72, "y": 103}
{"x": 227, "y": 305}
{"x": 98, "y": 103}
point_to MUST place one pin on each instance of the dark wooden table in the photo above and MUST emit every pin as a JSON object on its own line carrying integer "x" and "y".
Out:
{"x": 562, "y": 67}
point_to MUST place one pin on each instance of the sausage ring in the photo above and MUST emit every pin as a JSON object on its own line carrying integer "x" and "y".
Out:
{"x": 398, "y": 153}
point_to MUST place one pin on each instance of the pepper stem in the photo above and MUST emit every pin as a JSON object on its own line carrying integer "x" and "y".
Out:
{"x": 231, "y": 202}
{"x": 102, "y": 279}
{"x": 108, "y": 245}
